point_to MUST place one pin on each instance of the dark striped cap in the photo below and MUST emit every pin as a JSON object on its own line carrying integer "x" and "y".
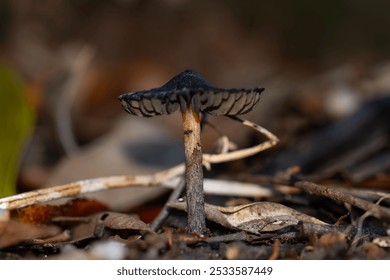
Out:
{"x": 190, "y": 89}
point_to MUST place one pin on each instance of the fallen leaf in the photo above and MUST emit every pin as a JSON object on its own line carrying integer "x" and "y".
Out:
{"x": 82, "y": 207}
{"x": 13, "y": 232}
{"x": 44, "y": 214}
{"x": 94, "y": 226}
{"x": 88, "y": 228}
{"x": 114, "y": 220}
{"x": 37, "y": 213}
{"x": 254, "y": 217}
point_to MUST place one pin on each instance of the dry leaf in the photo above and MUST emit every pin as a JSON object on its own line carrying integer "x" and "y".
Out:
{"x": 38, "y": 214}
{"x": 44, "y": 214}
{"x": 114, "y": 220}
{"x": 254, "y": 217}
{"x": 82, "y": 207}
{"x": 12, "y": 232}
{"x": 90, "y": 229}
{"x": 95, "y": 225}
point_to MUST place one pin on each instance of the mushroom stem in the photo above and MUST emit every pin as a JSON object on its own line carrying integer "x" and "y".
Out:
{"x": 194, "y": 173}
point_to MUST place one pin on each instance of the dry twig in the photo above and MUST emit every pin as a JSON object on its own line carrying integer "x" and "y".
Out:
{"x": 377, "y": 211}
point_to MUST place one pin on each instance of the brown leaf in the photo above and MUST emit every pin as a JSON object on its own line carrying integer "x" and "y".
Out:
{"x": 43, "y": 214}
{"x": 114, "y": 220}
{"x": 82, "y": 207}
{"x": 13, "y": 232}
{"x": 254, "y": 217}
{"x": 88, "y": 230}
{"x": 37, "y": 213}
{"x": 96, "y": 224}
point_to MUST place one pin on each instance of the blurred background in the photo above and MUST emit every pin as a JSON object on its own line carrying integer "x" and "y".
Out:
{"x": 63, "y": 63}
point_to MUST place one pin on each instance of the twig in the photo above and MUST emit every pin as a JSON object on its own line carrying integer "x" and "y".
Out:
{"x": 359, "y": 231}
{"x": 88, "y": 186}
{"x": 243, "y": 153}
{"x": 377, "y": 211}
{"x": 170, "y": 179}
{"x": 237, "y": 236}
{"x": 211, "y": 186}
{"x": 367, "y": 194}
{"x": 223, "y": 142}
{"x": 165, "y": 210}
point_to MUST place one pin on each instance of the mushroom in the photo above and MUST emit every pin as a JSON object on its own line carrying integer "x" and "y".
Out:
{"x": 193, "y": 95}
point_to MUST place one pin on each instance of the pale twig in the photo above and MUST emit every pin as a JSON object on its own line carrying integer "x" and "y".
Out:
{"x": 223, "y": 142}
{"x": 243, "y": 153}
{"x": 88, "y": 186}
{"x": 236, "y": 188}
{"x": 168, "y": 180}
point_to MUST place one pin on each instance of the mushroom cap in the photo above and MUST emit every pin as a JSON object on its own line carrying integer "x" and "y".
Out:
{"x": 190, "y": 89}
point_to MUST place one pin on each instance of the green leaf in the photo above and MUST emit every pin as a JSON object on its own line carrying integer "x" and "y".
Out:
{"x": 16, "y": 120}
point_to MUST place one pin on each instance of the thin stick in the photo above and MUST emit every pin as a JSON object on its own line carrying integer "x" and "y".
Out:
{"x": 375, "y": 210}
{"x": 194, "y": 172}
{"x": 157, "y": 222}
{"x": 211, "y": 186}
{"x": 243, "y": 153}
{"x": 359, "y": 231}
{"x": 88, "y": 186}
